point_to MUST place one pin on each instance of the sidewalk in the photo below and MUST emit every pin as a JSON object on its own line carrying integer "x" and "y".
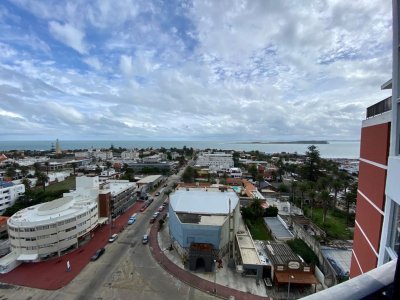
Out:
{"x": 188, "y": 277}
{"x": 52, "y": 274}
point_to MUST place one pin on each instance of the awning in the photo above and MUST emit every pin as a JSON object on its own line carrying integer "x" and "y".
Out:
{"x": 103, "y": 220}
{"x": 26, "y": 257}
{"x": 295, "y": 278}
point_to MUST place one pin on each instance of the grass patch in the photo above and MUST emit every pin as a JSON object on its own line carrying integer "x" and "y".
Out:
{"x": 67, "y": 184}
{"x": 335, "y": 223}
{"x": 258, "y": 230}
{"x": 301, "y": 248}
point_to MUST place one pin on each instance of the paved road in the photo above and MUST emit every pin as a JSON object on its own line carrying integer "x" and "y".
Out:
{"x": 128, "y": 271}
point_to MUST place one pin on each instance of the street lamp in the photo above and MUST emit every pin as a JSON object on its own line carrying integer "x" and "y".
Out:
{"x": 288, "y": 289}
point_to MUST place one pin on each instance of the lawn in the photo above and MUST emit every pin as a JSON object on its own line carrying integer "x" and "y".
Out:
{"x": 335, "y": 224}
{"x": 67, "y": 184}
{"x": 259, "y": 231}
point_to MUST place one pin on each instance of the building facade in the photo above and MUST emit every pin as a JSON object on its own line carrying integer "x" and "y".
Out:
{"x": 201, "y": 216}
{"x": 215, "y": 161}
{"x": 377, "y": 229}
{"x": 121, "y": 194}
{"x": 9, "y": 193}
{"x": 55, "y": 227}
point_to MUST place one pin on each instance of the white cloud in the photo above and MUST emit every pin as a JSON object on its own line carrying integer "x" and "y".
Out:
{"x": 94, "y": 62}
{"x": 69, "y": 35}
{"x": 216, "y": 69}
{"x": 125, "y": 65}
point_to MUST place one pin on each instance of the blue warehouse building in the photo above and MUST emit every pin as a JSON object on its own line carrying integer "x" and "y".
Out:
{"x": 200, "y": 219}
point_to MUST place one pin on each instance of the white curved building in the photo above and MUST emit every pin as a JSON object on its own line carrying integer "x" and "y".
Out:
{"x": 55, "y": 227}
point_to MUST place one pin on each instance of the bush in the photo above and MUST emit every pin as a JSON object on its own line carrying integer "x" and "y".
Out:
{"x": 271, "y": 211}
{"x": 301, "y": 248}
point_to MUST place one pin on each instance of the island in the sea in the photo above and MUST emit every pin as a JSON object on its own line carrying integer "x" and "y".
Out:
{"x": 288, "y": 142}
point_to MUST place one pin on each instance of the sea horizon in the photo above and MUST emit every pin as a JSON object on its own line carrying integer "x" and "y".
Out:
{"x": 333, "y": 149}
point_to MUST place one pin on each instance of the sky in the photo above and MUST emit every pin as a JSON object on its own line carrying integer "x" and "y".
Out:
{"x": 191, "y": 70}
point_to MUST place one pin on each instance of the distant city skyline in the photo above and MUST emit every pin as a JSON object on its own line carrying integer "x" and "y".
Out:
{"x": 191, "y": 70}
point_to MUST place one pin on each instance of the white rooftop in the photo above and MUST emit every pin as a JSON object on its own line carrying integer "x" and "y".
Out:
{"x": 203, "y": 201}
{"x": 149, "y": 179}
{"x": 48, "y": 212}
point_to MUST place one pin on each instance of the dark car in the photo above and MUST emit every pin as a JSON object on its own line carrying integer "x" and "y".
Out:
{"x": 145, "y": 239}
{"x": 98, "y": 253}
{"x": 152, "y": 220}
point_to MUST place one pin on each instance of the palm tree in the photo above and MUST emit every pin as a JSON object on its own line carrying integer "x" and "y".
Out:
{"x": 325, "y": 197}
{"x": 311, "y": 194}
{"x": 47, "y": 163}
{"x": 42, "y": 179}
{"x": 24, "y": 171}
{"x": 74, "y": 165}
{"x": 302, "y": 188}
{"x": 293, "y": 186}
{"x": 37, "y": 166}
{"x": 26, "y": 183}
{"x": 337, "y": 186}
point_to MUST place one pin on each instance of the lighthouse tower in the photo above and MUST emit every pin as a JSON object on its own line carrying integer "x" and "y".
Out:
{"x": 58, "y": 148}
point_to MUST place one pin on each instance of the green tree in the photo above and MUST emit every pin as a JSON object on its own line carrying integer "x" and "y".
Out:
{"x": 47, "y": 164}
{"x": 337, "y": 186}
{"x": 42, "y": 179}
{"x": 293, "y": 188}
{"x": 312, "y": 195}
{"x": 11, "y": 172}
{"x": 271, "y": 211}
{"x": 253, "y": 171}
{"x": 189, "y": 174}
{"x": 24, "y": 171}
{"x": 325, "y": 198}
{"x": 311, "y": 168}
{"x": 283, "y": 188}
{"x": 74, "y": 166}
{"x": 27, "y": 184}
{"x": 350, "y": 198}
{"x": 302, "y": 189}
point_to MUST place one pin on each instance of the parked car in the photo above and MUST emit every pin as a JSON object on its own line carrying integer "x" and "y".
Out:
{"x": 113, "y": 238}
{"x": 131, "y": 221}
{"x": 152, "y": 220}
{"x": 156, "y": 214}
{"x": 97, "y": 254}
{"x": 143, "y": 208}
{"x": 157, "y": 194}
{"x": 161, "y": 208}
{"x": 145, "y": 239}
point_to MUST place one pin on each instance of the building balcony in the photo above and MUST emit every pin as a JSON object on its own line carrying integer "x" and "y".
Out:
{"x": 375, "y": 284}
{"x": 379, "y": 108}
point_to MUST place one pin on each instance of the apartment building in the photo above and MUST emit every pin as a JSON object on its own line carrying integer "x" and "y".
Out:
{"x": 215, "y": 161}
{"x": 377, "y": 226}
{"x": 55, "y": 227}
{"x": 9, "y": 193}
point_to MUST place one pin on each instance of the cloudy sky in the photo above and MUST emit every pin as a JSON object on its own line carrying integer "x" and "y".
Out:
{"x": 191, "y": 70}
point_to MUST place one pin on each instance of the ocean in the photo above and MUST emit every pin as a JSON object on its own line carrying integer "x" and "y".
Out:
{"x": 334, "y": 149}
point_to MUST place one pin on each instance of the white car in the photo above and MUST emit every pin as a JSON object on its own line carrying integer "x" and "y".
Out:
{"x": 113, "y": 238}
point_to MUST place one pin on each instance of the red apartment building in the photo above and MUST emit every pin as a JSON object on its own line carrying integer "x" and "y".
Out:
{"x": 377, "y": 227}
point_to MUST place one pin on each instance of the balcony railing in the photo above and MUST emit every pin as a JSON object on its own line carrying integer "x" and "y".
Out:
{"x": 379, "y": 108}
{"x": 371, "y": 285}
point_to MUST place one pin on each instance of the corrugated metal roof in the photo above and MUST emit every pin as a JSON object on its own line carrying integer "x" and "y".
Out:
{"x": 203, "y": 201}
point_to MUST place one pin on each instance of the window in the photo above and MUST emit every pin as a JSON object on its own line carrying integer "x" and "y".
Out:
{"x": 395, "y": 230}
